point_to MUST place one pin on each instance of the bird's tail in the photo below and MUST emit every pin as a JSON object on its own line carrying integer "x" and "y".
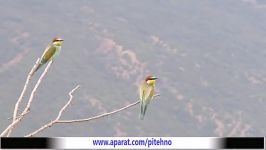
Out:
{"x": 143, "y": 108}
{"x": 36, "y": 68}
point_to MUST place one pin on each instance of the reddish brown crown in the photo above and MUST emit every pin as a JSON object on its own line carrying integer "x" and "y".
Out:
{"x": 148, "y": 77}
{"x": 57, "y": 39}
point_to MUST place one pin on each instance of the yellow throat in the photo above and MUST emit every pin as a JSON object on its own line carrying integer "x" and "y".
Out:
{"x": 58, "y": 43}
{"x": 151, "y": 82}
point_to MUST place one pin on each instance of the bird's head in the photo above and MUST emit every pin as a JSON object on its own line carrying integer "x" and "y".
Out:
{"x": 150, "y": 80}
{"x": 57, "y": 41}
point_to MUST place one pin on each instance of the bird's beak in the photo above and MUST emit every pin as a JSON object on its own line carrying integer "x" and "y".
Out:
{"x": 60, "y": 40}
{"x": 154, "y": 78}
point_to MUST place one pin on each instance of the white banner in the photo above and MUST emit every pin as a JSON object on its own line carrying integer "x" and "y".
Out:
{"x": 136, "y": 143}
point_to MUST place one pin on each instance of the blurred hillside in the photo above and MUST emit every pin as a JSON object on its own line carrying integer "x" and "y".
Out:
{"x": 209, "y": 57}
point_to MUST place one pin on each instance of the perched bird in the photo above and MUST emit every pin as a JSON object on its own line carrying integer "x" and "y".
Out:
{"x": 146, "y": 92}
{"x": 50, "y": 52}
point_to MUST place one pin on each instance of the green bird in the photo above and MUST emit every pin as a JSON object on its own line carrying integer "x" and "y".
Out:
{"x": 50, "y": 52}
{"x": 146, "y": 93}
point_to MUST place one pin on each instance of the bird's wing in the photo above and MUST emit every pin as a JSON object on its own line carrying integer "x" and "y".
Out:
{"x": 149, "y": 93}
{"x": 146, "y": 92}
{"x": 142, "y": 90}
{"x": 48, "y": 53}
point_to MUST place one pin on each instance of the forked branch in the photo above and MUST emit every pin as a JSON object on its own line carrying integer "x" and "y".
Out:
{"x": 22, "y": 94}
{"x": 57, "y": 120}
{"x": 59, "y": 114}
{"x": 27, "y": 108}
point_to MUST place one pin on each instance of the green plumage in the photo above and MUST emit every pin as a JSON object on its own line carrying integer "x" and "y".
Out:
{"x": 146, "y": 92}
{"x": 48, "y": 55}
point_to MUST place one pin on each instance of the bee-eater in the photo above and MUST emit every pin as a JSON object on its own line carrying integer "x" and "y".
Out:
{"x": 146, "y": 92}
{"x": 50, "y": 52}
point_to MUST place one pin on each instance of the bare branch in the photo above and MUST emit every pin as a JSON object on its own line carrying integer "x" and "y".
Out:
{"x": 59, "y": 114}
{"x": 99, "y": 116}
{"x": 102, "y": 115}
{"x": 57, "y": 120}
{"x": 27, "y": 109}
{"x": 22, "y": 94}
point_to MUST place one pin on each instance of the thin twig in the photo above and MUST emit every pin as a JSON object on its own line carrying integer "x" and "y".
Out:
{"x": 57, "y": 120}
{"x": 22, "y": 94}
{"x": 25, "y": 111}
{"x": 102, "y": 115}
{"x": 99, "y": 116}
{"x": 58, "y": 116}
